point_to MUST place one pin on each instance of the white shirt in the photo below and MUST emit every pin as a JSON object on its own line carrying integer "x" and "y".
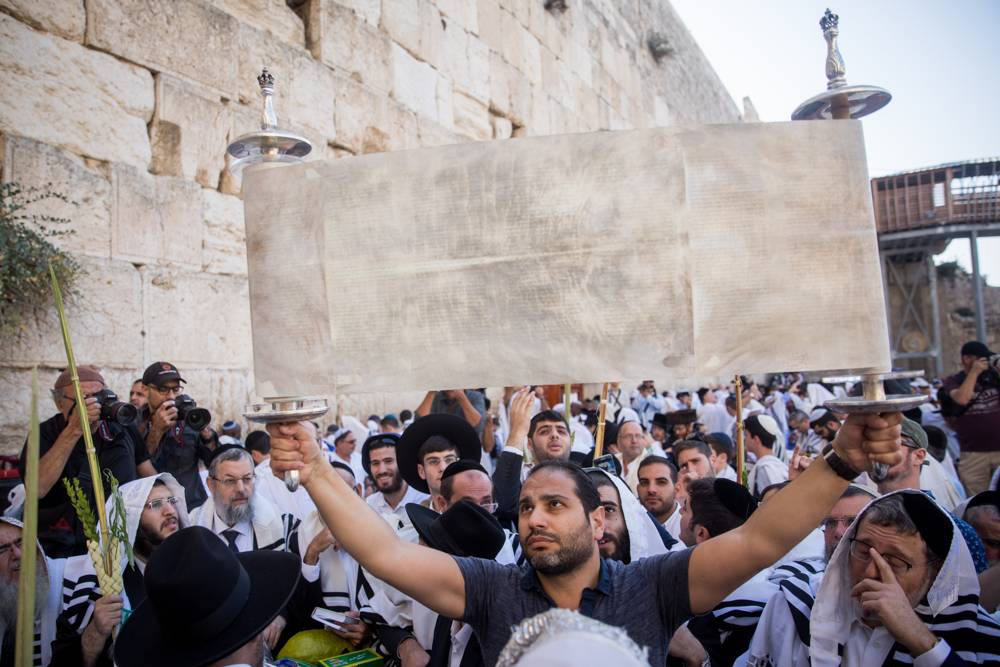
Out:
{"x": 673, "y": 522}
{"x": 727, "y": 473}
{"x": 244, "y": 541}
{"x": 767, "y": 471}
{"x": 379, "y": 504}
{"x": 715, "y": 418}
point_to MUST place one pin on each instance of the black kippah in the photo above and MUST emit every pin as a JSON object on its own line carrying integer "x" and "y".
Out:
{"x": 734, "y": 497}
{"x": 932, "y": 523}
{"x": 219, "y": 451}
{"x": 985, "y": 498}
{"x": 462, "y": 465}
{"x": 343, "y": 466}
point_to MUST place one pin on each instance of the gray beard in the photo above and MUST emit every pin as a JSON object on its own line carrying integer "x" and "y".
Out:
{"x": 8, "y": 597}
{"x": 232, "y": 515}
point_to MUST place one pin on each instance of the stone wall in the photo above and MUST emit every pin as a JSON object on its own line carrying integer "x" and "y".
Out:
{"x": 126, "y": 106}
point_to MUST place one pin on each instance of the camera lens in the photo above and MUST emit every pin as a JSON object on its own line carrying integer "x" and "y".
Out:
{"x": 198, "y": 418}
{"x": 124, "y": 413}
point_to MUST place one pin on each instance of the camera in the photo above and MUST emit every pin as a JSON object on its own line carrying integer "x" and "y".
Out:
{"x": 113, "y": 410}
{"x": 189, "y": 413}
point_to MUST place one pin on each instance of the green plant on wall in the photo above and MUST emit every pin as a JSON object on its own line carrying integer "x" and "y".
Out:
{"x": 26, "y": 251}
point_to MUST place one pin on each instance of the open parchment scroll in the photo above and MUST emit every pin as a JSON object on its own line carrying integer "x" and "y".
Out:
{"x": 676, "y": 252}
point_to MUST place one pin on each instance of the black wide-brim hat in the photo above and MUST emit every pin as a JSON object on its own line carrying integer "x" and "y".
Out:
{"x": 687, "y": 416}
{"x": 465, "y": 529}
{"x": 203, "y": 601}
{"x": 454, "y": 429}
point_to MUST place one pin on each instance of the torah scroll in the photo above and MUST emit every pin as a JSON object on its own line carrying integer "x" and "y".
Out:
{"x": 674, "y": 252}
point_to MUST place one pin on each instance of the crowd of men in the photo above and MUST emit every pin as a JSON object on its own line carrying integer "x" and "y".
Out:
{"x": 435, "y": 532}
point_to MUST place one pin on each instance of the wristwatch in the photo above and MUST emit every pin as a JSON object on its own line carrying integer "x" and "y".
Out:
{"x": 837, "y": 464}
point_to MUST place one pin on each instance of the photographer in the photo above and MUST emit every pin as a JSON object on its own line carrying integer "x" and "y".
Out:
{"x": 970, "y": 401}
{"x": 62, "y": 455}
{"x": 178, "y": 436}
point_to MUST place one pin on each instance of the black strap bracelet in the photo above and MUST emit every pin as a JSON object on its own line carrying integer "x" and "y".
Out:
{"x": 838, "y": 465}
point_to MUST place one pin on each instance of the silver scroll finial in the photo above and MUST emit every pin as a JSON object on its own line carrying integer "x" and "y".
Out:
{"x": 839, "y": 101}
{"x": 835, "y": 71}
{"x": 270, "y": 143}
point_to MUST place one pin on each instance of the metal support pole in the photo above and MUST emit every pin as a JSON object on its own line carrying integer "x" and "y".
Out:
{"x": 977, "y": 287}
{"x": 888, "y": 303}
{"x": 935, "y": 315}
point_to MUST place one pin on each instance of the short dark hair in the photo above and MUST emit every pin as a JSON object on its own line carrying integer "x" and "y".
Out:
{"x": 586, "y": 492}
{"x": 723, "y": 445}
{"x": 707, "y": 509}
{"x": 685, "y": 445}
{"x": 406, "y": 415}
{"x": 653, "y": 458}
{"x": 544, "y": 416}
{"x": 599, "y": 478}
{"x": 701, "y": 393}
{"x": 731, "y": 401}
{"x": 258, "y": 441}
{"x": 433, "y": 445}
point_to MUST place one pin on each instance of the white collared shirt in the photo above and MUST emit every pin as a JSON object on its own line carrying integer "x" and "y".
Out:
{"x": 379, "y": 504}
{"x": 673, "y": 522}
{"x": 244, "y": 541}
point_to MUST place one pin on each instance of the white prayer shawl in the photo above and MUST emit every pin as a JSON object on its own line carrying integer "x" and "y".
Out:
{"x": 343, "y": 582}
{"x": 934, "y": 478}
{"x": 818, "y": 394}
{"x": 583, "y": 441}
{"x": 644, "y": 538}
{"x": 276, "y": 492}
{"x": 735, "y": 617}
{"x": 811, "y": 549}
{"x": 823, "y": 615}
{"x": 766, "y": 471}
{"x": 45, "y": 624}
{"x": 354, "y": 425}
{"x": 79, "y": 581}
{"x": 272, "y": 530}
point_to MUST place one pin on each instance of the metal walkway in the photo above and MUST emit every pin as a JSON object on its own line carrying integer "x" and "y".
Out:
{"x": 917, "y": 213}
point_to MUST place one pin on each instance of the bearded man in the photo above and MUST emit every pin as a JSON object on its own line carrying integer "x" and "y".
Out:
{"x": 48, "y": 575}
{"x": 154, "y": 509}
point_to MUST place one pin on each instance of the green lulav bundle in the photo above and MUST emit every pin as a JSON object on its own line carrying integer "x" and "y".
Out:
{"x": 118, "y": 526}
{"x": 82, "y": 508}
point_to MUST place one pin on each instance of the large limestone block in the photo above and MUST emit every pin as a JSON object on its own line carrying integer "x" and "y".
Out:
{"x": 275, "y": 16}
{"x": 197, "y": 319}
{"x": 472, "y": 118}
{"x": 369, "y": 122}
{"x": 369, "y": 10}
{"x": 488, "y": 18}
{"x": 416, "y": 26}
{"x": 340, "y": 37}
{"x": 105, "y": 321}
{"x": 520, "y": 48}
{"x": 189, "y": 131}
{"x": 414, "y": 83}
{"x": 155, "y": 218}
{"x": 61, "y": 93}
{"x": 432, "y": 134}
{"x": 459, "y": 12}
{"x": 32, "y": 163}
{"x": 184, "y": 37}
{"x": 466, "y": 63}
{"x": 63, "y": 18}
{"x": 225, "y": 241}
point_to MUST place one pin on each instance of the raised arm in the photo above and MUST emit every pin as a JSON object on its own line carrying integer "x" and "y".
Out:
{"x": 786, "y": 519}
{"x": 428, "y": 576}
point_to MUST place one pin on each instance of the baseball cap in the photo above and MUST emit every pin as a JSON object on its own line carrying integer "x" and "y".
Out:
{"x": 85, "y": 373}
{"x": 914, "y": 433}
{"x": 974, "y": 348}
{"x": 159, "y": 372}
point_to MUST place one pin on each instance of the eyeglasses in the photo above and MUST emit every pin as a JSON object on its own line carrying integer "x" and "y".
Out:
{"x": 861, "y": 551}
{"x": 5, "y": 548}
{"x": 169, "y": 390}
{"x": 831, "y": 522}
{"x": 230, "y": 482}
{"x": 157, "y": 503}
{"x": 489, "y": 507}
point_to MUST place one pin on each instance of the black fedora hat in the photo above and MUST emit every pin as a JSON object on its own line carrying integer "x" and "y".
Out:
{"x": 660, "y": 419}
{"x": 203, "y": 601}
{"x": 686, "y": 416}
{"x": 465, "y": 529}
{"x": 377, "y": 440}
{"x": 454, "y": 429}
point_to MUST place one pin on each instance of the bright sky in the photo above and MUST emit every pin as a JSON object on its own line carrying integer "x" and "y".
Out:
{"x": 938, "y": 59}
